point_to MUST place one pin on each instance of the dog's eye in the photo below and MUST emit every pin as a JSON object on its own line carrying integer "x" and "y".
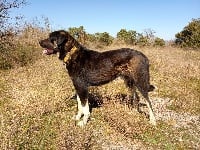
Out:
{"x": 55, "y": 44}
{"x": 52, "y": 39}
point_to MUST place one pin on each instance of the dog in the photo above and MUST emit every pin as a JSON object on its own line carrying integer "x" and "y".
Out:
{"x": 91, "y": 68}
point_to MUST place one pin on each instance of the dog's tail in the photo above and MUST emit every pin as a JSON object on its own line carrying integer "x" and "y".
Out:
{"x": 151, "y": 88}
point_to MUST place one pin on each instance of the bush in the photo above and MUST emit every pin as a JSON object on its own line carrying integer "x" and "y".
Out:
{"x": 18, "y": 55}
{"x": 104, "y": 38}
{"x": 128, "y": 37}
{"x": 190, "y": 35}
{"x": 22, "y": 48}
{"x": 78, "y": 33}
{"x": 16, "y": 43}
{"x": 143, "y": 40}
{"x": 159, "y": 42}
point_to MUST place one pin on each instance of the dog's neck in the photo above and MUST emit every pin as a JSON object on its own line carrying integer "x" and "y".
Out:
{"x": 72, "y": 46}
{"x": 68, "y": 56}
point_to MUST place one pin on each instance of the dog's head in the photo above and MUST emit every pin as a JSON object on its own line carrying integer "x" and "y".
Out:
{"x": 58, "y": 41}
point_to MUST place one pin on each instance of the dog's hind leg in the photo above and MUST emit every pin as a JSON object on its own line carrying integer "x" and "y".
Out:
{"x": 151, "y": 114}
{"x": 148, "y": 103}
{"x": 143, "y": 86}
{"x": 144, "y": 91}
{"x": 132, "y": 89}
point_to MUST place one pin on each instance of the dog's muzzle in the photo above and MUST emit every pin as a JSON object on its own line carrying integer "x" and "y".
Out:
{"x": 48, "y": 51}
{"x": 49, "y": 48}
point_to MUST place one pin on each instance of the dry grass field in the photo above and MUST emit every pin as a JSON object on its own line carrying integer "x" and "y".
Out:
{"x": 36, "y": 107}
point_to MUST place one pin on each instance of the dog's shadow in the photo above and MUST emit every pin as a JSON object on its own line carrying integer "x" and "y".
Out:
{"x": 96, "y": 100}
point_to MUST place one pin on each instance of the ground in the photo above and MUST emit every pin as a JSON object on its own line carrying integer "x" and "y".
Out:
{"x": 37, "y": 108}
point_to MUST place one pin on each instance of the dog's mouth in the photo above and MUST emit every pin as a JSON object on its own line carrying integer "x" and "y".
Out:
{"x": 49, "y": 47}
{"x": 48, "y": 51}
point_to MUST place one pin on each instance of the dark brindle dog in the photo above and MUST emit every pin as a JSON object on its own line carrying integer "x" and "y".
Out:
{"x": 91, "y": 68}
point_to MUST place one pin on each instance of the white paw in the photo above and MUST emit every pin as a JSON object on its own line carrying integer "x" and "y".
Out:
{"x": 81, "y": 124}
{"x": 74, "y": 117}
{"x": 77, "y": 117}
{"x": 153, "y": 121}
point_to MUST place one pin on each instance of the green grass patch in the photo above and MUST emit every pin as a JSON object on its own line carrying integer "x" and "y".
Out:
{"x": 166, "y": 137}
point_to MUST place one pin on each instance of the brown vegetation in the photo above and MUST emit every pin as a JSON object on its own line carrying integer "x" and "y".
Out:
{"x": 36, "y": 108}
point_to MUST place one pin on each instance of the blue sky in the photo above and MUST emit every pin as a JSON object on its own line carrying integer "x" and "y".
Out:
{"x": 165, "y": 17}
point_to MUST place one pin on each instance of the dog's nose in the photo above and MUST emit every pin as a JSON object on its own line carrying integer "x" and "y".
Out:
{"x": 40, "y": 42}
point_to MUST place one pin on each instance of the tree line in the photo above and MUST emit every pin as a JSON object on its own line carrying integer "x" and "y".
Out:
{"x": 124, "y": 36}
{"x": 188, "y": 37}
{"x": 19, "y": 40}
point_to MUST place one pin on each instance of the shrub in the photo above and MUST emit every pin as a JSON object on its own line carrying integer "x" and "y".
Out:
{"x": 104, "y": 38}
{"x": 190, "y": 35}
{"x": 143, "y": 40}
{"x": 128, "y": 37}
{"x": 159, "y": 42}
{"x": 22, "y": 48}
{"x": 78, "y": 33}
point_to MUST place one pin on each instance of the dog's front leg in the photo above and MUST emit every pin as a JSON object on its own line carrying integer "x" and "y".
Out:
{"x": 86, "y": 113}
{"x": 79, "y": 108}
{"x": 83, "y": 104}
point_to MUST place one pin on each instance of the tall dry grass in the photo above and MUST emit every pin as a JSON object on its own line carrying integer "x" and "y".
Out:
{"x": 19, "y": 48}
{"x": 176, "y": 74}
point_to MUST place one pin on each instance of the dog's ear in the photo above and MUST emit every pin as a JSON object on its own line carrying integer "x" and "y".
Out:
{"x": 61, "y": 38}
{"x": 58, "y": 36}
